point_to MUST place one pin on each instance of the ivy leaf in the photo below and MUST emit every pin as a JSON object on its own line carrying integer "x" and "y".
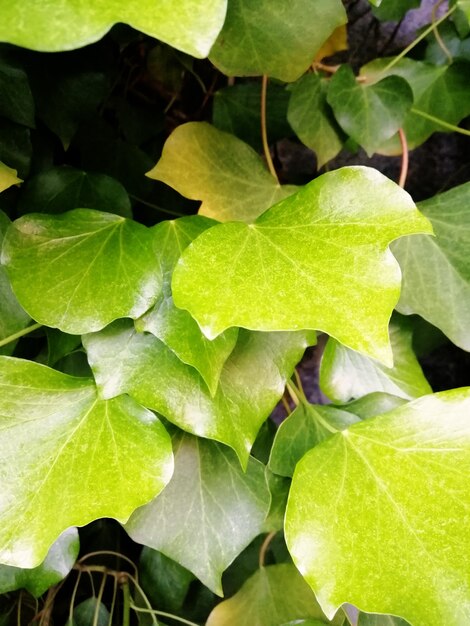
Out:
{"x": 373, "y": 404}
{"x": 431, "y": 262}
{"x": 289, "y": 269}
{"x": 90, "y": 611}
{"x": 312, "y": 119}
{"x": 271, "y": 596}
{"x": 369, "y": 113}
{"x": 175, "y": 327}
{"x": 184, "y": 24}
{"x": 274, "y": 38}
{"x": 203, "y": 163}
{"x": 57, "y": 564}
{"x": 16, "y": 99}
{"x": 62, "y": 189}
{"x": 346, "y": 374}
{"x": 111, "y": 446}
{"x": 209, "y": 497}
{"x": 307, "y": 426}
{"x": 12, "y": 316}
{"x": 464, "y": 5}
{"x": 394, "y": 10}
{"x": 15, "y": 147}
{"x": 251, "y": 383}
{"x": 8, "y": 177}
{"x": 398, "y": 480}
{"x": 81, "y": 270}
{"x": 368, "y": 619}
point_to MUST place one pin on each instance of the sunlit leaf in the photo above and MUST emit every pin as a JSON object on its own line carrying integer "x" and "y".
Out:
{"x": 8, "y": 177}
{"x": 80, "y": 270}
{"x": 318, "y": 260}
{"x": 68, "y": 457}
{"x": 398, "y": 480}
{"x": 209, "y": 512}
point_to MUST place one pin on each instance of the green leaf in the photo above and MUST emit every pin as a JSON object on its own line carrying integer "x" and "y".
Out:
{"x": 175, "y": 327}
{"x": 373, "y": 404}
{"x": 203, "y": 163}
{"x": 60, "y": 344}
{"x": 57, "y": 564}
{"x": 16, "y": 99}
{"x": 216, "y": 509}
{"x": 307, "y": 426}
{"x": 368, "y": 619}
{"x": 62, "y": 189}
{"x": 274, "y": 38}
{"x": 251, "y": 383}
{"x": 394, "y": 10}
{"x": 8, "y": 177}
{"x": 369, "y": 113}
{"x": 400, "y": 480}
{"x": 346, "y": 374}
{"x": 15, "y": 147}
{"x": 272, "y": 596}
{"x": 81, "y": 270}
{"x": 289, "y": 269}
{"x": 312, "y": 119}
{"x": 90, "y": 612}
{"x": 429, "y": 263}
{"x": 464, "y": 5}
{"x": 441, "y": 91}
{"x": 236, "y": 109}
{"x": 184, "y": 24}
{"x": 12, "y": 316}
{"x": 91, "y": 452}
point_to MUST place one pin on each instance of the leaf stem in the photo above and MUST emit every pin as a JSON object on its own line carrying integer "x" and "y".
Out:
{"x": 99, "y": 598}
{"x": 126, "y": 608}
{"x": 437, "y": 35}
{"x": 163, "y": 614}
{"x": 264, "y": 132}
{"x": 404, "y": 158}
{"x": 264, "y": 547}
{"x": 156, "y": 207}
{"x": 424, "y": 34}
{"x": 20, "y": 333}
{"x": 444, "y": 124}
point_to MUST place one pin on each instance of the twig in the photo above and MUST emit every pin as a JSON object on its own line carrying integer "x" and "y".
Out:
{"x": 404, "y": 158}
{"x": 437, "y": 35}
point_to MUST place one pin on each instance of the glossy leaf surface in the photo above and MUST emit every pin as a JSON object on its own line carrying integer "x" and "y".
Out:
{"x": 436, "y": 270}
{"x": 203, "y": 163}
{"x": 210, "y": 511}
{"x": 369, "y": 113}
{"x": 81, "y": 270}
{"x": 346, "y": 374}
{"x": 54, "y": 25}
{"x": 57, "y": 564}
{"x": 274, "y": 37}
{"x": 398, "y": 480}
{"x": 251, "y": 382}
{"x": 318, "y": 259}
{"x": 272, "y": 596}
{"x": 68, "y": 432}
{"x": 175, "y": 327}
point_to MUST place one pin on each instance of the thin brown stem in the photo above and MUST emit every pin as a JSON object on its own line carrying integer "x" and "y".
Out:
{"x": 264, "y": 132}
{"x": 404, "y": 158}
{"x": 264, "y": 547}
{"x": 286, "y": 405}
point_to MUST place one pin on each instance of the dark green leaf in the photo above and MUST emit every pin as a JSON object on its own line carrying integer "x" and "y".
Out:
{"x": 373, "y": 404}
{"x": 90, "y": 613}
{"x": 16, "y": 99}
{"x": 394, "y": 10}
{"x": 15, "y": 147}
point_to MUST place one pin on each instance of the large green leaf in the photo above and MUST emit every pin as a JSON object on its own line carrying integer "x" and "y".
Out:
{"x": 12, "y": 316}
{"x": 346, "y": 374}
{"x": 436, "y": 270}
{"x": 378, "y": 514}
{"x": 62, "y": 189}
{"x": 312, "y": 118}
{"x": 57, "y": 564}
{"x": 230, "y": 178}
{"x": 272, "y": 596}
{"x": 209, "y": 512}
{"x": 318, "y": 259}
{"x": 175, "y": 327}
{"x": 251, "y": 383}
{"x": 81, "y": 270}
{"x": 86, "y": 458}
{"x": 53, "y": 25}
{"x": 274, "y": 37}
{"x": 369, "y": 113}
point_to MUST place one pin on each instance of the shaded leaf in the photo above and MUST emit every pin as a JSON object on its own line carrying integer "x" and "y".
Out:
{"x": 346, "y": 374}
{"x": 88, "y": 268}
{"x": 8, "y": 177}
{"x": 398, "y": 480}
{"x": 62, "y": 189}
{"x": 272, "y": 596}
{"x": 436, "y": 270}
{"x": 68, "y": 432}
{"x": 318, "y": 259}
{"x": 312, "y": 118}
{"x": 394, "y": 10}
{"x": 90, "y": 612}
{"x": 274, "y": 37}
{"x": 336, "y": 42}
{"x": 368, "y": 619}
{"x": 60, "y": 344}
{"x": 175, "y": 327}
{"x": 251, "y": 383}
{"x": 203, "y": 163}
{"x": 369, "y": 113}
{"x": 209, "y": 497}
{"x": 16, "y": 99}
{"x": 373, "y": 404}
{"x": 57, "y": 564}
{"x": 15, "y": 147}
{"x": 184, "y": 24}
